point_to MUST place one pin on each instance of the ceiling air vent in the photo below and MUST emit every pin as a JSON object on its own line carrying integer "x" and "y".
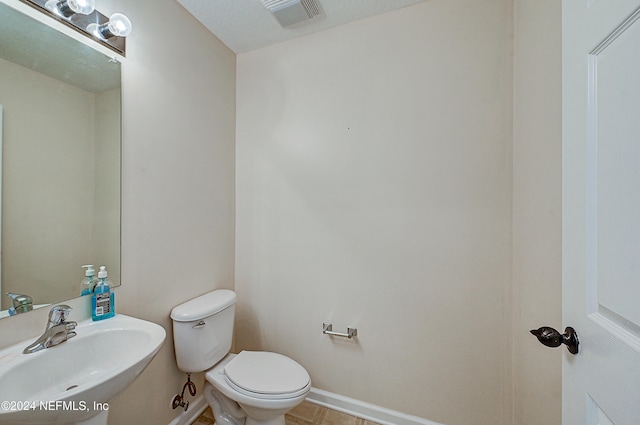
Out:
{"x": 289, "y": 12}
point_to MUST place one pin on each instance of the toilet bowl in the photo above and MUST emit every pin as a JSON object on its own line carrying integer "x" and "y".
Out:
{"x": 265, "y": 385}
{"x": 249, "y": 388}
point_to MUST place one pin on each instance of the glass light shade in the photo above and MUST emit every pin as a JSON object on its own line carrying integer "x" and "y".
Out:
{"x": 67, "y": 8}
{"x": 84, "y": 7}
{"x": 120, "y": 25}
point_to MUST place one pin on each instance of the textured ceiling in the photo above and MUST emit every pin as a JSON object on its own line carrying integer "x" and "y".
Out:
{"x": 245, "y": 25}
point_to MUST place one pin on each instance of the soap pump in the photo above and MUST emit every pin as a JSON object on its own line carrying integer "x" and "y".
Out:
{"x": 102, "y": 302}
{"x": 87, "y": 284}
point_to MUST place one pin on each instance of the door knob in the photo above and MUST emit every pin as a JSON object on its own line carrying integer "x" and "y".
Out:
{"x": 552, "y": 338}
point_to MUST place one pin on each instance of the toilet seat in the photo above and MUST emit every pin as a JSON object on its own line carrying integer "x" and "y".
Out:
{"x": 266, "y": 375}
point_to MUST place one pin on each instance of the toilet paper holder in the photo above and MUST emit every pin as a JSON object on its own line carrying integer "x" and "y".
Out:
{"x": 327, "y": 329}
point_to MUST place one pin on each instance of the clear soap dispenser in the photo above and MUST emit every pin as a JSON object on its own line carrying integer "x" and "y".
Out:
{"x": 89, "y": 281}
{"x": 102, "y": 302}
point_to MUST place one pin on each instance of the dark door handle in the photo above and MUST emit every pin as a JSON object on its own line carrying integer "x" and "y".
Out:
{"x": 552, "y": 338}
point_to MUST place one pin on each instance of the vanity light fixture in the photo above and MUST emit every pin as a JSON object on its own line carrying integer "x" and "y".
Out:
{"x": 118, "y": 26}
{"x": 67, "y": 8}
{"x": 82, "y": 17}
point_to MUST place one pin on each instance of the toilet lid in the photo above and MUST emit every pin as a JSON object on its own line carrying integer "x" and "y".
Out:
{"x": 263, "y": 374}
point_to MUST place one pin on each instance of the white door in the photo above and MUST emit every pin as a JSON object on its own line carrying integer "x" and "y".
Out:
{"x": 601, "y": 210}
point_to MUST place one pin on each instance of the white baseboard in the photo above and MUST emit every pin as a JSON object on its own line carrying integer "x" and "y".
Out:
{"x": 350, "y": 406}
{"x": 196, "y": 407}
{"x": 370, "y": 412}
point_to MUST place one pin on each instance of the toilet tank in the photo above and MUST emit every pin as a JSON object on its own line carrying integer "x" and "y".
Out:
{"x": 203, "y": 330}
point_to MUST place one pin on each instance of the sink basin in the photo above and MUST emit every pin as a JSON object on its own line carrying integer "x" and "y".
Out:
{"x": 74, "y": 381}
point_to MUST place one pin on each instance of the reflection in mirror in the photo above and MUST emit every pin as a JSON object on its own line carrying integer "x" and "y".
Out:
{"x": 60, "y": 161}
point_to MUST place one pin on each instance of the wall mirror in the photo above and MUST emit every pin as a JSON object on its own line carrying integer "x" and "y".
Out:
{"x": 61, "y": 119}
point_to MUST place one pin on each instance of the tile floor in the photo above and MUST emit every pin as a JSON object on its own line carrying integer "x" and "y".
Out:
{"x": 305, "y": 414}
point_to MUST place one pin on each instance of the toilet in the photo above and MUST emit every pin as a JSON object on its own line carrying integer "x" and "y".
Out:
{"x": 249, "y": 388}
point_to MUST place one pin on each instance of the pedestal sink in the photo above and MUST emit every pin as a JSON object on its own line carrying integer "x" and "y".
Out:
{"x": 73, "y": 383}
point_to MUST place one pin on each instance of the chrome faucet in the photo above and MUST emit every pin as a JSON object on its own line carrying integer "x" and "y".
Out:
{"x": 21, "y": 303}
{"x": 58, "y": 330}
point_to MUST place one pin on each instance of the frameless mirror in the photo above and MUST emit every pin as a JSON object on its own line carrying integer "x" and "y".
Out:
{"x": 60, "y": 103}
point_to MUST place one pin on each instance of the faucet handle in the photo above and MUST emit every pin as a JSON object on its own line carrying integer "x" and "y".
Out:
{"x": 59, "y": 314}
{"x": 59, "y": 338}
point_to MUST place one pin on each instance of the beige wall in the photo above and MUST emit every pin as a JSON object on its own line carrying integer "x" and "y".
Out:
{"x": 537, "y": 209}
{"x": 374, "y": 189}
{"x": 178, "y": 183}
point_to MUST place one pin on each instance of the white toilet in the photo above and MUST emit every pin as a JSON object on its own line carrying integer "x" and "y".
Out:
{"x": 251, "y": 388}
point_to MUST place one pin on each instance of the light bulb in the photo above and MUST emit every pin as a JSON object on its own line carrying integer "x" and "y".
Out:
{"x": 84, "y": 7}
{"x": 118, "y": 26}
{"x": 67, "y": 8}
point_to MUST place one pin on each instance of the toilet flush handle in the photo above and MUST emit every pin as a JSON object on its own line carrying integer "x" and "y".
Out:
{"x": 200, "y": 324}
